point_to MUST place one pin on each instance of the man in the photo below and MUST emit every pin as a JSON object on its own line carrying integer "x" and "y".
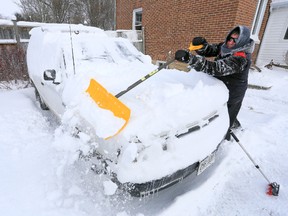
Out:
{"x": 231, "y": 65}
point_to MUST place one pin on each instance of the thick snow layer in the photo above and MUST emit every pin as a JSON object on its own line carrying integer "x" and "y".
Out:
{"x": 41, "y": 173}
{"x": 166, "y": 103}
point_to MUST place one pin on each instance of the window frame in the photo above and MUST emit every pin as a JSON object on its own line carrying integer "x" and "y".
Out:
{"x": 258, "y": 19}
{"x": 134, "y": 21}
{"x": 7, "y": 33}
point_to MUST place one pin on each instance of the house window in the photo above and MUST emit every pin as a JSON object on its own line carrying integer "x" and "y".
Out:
{"x": 286, "y": 34}
{"x": 6, "y": 33}
{"x": 137, "y": 19}
{"x": 258, "y": 18}
{"x": 24, "y": 32}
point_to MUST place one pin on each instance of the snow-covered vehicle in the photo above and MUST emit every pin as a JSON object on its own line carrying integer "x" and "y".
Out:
{"x": 177, "y": 119}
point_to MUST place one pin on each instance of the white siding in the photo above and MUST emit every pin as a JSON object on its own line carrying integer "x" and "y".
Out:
{"x": 273, "y": 45}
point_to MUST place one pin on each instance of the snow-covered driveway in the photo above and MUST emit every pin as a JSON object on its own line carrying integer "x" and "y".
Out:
{"x": 40, "y": 173}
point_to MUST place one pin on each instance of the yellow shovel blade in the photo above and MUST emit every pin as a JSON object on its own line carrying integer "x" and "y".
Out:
{"x": 108, "y": 101}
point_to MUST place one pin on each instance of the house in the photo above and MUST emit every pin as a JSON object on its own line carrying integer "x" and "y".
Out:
{"x": 170, "y": 25}
{"x": 274, "y": 45}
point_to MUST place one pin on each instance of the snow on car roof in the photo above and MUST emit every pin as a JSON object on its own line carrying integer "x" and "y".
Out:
{"x": 69, "y": 27}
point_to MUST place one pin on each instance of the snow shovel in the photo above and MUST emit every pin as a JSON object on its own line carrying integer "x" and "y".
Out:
{"x": 107, "y": 101}
{"x": 273, "y": 188}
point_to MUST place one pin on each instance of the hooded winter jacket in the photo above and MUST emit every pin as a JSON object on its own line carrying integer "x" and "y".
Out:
{"x": 230, "y": 65}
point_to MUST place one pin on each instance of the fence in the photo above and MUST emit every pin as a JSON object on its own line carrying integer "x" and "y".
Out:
{"x": 14, "y": 38}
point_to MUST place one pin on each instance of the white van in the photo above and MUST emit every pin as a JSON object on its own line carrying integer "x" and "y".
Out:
{"x": 177, "y": 120}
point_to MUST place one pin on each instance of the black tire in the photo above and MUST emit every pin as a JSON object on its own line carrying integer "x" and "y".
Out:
{"x": 40, "y": 100}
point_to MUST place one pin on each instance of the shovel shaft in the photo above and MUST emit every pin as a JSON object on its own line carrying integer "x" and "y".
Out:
{"x": 273, "y": 188}
{"x": 249, "y": 156}
{"x": 144, "y": 78}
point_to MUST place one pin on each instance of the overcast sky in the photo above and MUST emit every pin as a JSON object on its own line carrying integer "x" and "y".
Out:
{"x": 8, "y": 8}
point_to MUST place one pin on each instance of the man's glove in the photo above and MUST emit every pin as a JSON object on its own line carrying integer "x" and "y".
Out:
{"x": 199, "y": 44}
{"x": 195, "y": 62}
{"x": 199, "y": 41}
{"x": 182, "y": 56}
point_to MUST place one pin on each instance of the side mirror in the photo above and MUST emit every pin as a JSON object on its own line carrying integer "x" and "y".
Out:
{"x": 50, "y": 74}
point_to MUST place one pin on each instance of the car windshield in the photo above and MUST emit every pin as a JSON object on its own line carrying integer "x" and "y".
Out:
{"x": 86, "y": 49}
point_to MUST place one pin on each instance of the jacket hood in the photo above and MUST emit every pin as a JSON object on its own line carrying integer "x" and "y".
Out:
{"x": 244, "y": 42}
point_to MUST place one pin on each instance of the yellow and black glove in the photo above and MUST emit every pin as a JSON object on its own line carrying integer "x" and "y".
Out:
{"x": 198, "y": 44}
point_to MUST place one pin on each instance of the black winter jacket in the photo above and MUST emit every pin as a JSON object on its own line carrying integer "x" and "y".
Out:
{"x": 230, "y": 65}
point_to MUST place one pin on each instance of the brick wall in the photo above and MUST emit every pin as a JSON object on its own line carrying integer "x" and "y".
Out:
{"x": 170, "y": 25}
{"x": 124, "y": 12}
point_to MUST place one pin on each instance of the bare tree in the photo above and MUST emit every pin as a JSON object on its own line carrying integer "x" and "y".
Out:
{"x": 60, "y": 10}
{"x": 77, "y": 12}
{"x": 45, "y": 10}
{"x": 35, "y": 10}
{"x": 99, "y": 13}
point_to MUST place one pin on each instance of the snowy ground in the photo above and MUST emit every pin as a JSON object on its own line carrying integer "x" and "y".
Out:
{"x": 41, "y": 176}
